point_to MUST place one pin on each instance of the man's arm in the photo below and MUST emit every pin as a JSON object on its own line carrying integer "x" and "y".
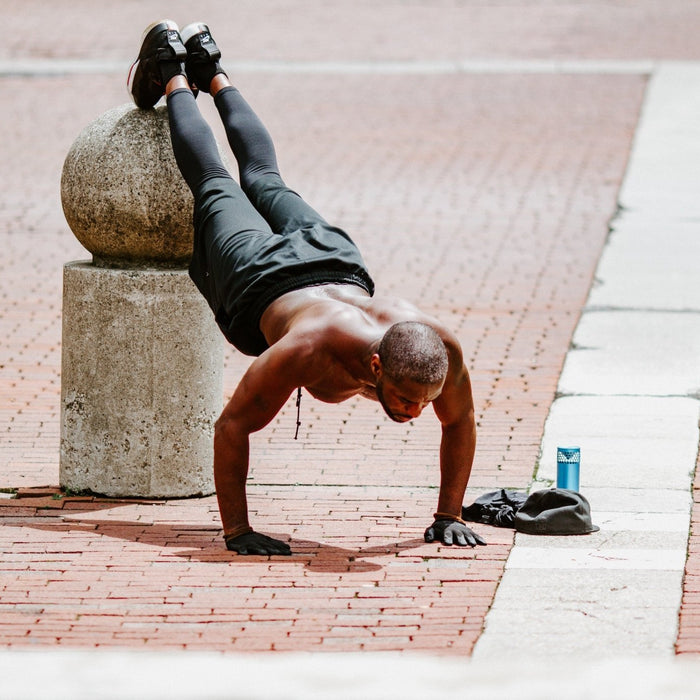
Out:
{"x": 259, "y": 396}
{"x": 455, "y": 410}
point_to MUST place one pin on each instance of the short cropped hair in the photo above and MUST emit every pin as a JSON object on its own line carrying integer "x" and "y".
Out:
{"x": 411, "y": 350}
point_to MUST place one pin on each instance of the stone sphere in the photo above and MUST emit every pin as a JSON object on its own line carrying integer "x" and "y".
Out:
{"x": 122, "y": 193}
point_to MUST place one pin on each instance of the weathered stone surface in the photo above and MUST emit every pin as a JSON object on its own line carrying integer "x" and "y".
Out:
{"x": 142, "y": 383}
{"x": 122, "y": 193}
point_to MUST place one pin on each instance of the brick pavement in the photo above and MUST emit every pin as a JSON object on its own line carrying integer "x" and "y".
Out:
{"x": 483, "y": 198}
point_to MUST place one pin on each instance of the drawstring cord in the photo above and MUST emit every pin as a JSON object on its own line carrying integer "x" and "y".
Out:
{"x": 296, "y": 434}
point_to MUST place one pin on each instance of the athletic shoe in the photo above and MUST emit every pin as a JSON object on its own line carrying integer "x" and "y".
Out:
{"x": 203, "y": 55}
{"x": 161, "y": 57}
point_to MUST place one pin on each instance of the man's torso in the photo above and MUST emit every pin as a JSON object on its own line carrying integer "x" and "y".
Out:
{"x": 344, "y": 326}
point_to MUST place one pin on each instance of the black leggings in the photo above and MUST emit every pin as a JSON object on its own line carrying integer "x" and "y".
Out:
{"x": 256, "y": 241}
{"x": 195, "y": 148}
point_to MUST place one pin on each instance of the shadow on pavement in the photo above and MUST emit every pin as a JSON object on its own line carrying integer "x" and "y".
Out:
{"x": 55, "y": 512}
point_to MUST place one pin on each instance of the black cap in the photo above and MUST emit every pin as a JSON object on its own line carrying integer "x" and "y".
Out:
{"x": 555, "y": 512}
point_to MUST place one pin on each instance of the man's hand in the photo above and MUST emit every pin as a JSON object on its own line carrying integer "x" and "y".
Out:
{"x": 257, "y": 543}
{"x": 452, "y": 532}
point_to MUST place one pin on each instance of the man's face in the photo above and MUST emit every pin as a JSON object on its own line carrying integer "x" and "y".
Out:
{"x": 405, "y": 400}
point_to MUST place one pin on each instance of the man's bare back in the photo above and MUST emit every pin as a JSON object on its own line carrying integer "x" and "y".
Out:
{"x": 344, "y": 326}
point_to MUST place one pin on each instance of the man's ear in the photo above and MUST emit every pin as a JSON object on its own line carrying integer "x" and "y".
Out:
{"x": 375, "y": 365}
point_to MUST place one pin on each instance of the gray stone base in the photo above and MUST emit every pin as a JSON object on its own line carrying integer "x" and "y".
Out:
{"x": 142, "y": 383}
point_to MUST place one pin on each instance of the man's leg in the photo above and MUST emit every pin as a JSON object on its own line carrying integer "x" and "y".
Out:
{"x": 283, "y": 209}
{"x": 247, "y": 136}
{"x": 158, "y": 70}
{"x": 250, "y": 141}
{"x": 193, "y": 141}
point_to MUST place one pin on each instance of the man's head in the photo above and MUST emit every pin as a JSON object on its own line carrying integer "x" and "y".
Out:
{"x": 410, "y": 367}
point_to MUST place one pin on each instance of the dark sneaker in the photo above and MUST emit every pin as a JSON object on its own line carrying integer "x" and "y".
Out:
{"x": 161, "y": 57}
{"x": 203, "y": 55}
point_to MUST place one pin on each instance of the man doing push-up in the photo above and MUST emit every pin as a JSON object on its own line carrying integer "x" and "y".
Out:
{"x": 290, "y": 289}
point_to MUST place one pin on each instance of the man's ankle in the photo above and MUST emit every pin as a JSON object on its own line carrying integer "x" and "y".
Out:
{"x": 177, "y": 82}
{"x": 218, "y": 82}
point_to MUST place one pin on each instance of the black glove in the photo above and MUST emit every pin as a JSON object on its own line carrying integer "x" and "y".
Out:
{"x": 452, "y": 532}
{"x": 256, "y": 543}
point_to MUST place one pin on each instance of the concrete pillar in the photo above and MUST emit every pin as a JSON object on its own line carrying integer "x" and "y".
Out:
{"x": 141, "y": 383}
{"x": 142, "y": 364}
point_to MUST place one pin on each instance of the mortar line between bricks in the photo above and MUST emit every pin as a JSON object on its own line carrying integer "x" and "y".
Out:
{"x": 317, "y": 484}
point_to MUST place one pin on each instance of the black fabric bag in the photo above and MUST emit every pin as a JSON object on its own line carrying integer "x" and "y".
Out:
{"x": 549, "y": 512}
{"x": 495, "y": 508}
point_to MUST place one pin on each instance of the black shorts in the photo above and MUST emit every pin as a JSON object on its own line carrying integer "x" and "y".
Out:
{"x": 249, "y": 250}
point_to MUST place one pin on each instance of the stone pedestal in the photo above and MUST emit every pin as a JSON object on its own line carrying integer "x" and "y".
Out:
{"x": 141, "y": 383}
{"x": 142, "y": 365}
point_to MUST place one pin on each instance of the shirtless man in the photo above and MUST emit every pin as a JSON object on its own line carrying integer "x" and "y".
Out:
{"x": 293, "y": 291}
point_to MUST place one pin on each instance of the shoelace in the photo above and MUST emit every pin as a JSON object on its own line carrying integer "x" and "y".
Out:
{"x": 296, "y": 434}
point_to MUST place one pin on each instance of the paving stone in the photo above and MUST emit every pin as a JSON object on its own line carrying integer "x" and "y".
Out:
{"x": 648, "y": 264}
{"x": 624, "y": 352}
{"x": 591, "y": 613}
{"x": 643, "y": 522}
{"x": 624, "y": 440}
{"x": 552, "y": 557}
{"x": 663, "y": 165}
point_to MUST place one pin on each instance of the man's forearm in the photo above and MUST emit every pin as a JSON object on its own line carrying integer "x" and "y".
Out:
{"x": 231, "y": 450}
{"x": 456, "y": 457}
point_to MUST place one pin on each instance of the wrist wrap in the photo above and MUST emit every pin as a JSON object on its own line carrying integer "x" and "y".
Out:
{"x": 448, "y": 516}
